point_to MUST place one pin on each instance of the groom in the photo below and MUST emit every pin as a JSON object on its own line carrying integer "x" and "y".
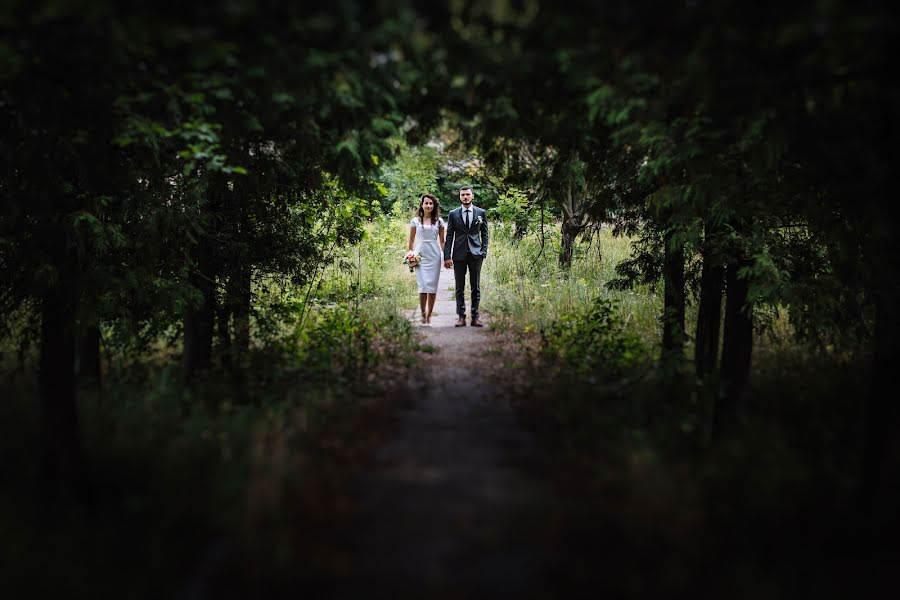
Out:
{"x": 467, "y": 227}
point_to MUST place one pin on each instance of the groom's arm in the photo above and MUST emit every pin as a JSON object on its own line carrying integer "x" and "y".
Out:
{"x": 451, "y": 233}
{"x": 484, "y": 235}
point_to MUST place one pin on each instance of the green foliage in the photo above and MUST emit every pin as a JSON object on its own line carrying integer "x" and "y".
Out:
{"x": 675, "y": 124}
{"x": 594, "y": 344}
{"x": 180, "y": 470}
{"x": 369, "y": 270}
{"x": 350, "y": 343}
{"x": 517, "y": 209}
{"x": 525, "y": 288}
{"x": 209, "y": 165}
{"x": 412, "y": 173}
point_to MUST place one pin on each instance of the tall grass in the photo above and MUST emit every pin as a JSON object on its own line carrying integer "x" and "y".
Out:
{"x": 523, "y": 285}
{"x": 371, "y": 273}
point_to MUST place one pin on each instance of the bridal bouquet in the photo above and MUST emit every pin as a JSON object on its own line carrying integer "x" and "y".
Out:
{"x": 412, "y": 259}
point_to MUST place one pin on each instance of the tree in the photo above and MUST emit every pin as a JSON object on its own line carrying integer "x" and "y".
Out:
{"x": 197, "y": 150}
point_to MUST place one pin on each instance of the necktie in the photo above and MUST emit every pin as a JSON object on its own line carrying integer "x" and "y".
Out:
{"x": 467, "y": 217}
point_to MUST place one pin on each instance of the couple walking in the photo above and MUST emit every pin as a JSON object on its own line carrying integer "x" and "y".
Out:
{"x": 464, "y": 238}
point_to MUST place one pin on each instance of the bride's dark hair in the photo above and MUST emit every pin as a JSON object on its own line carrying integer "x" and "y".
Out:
{"x": 435, "y": 212}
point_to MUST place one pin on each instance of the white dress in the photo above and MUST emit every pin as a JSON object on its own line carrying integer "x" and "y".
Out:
{"x": 429, "y": 246}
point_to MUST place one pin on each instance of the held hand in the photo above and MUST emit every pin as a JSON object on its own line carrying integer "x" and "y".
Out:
{"x": 448, "y": 264}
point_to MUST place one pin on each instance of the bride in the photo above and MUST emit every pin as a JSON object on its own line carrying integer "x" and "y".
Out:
{"x": 426, "y": 234}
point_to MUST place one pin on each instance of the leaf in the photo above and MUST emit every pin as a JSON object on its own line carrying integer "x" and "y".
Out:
{"x": 283, "y": 98}
{"x": 350, "y": 146}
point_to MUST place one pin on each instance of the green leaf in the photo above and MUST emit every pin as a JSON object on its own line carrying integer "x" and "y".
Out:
{"x": 283, "y": 98}
{"x": 350, "y": 146}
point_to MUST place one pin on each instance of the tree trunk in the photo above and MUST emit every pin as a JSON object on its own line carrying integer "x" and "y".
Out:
{"x": 673, "y": 309}
{"x": 881, "y": 454}
{"x": 709, "y": 318}
{"x": 89, "y": 355}
{"x": 573, "y": 221}
{"x": 199, "y": 320}
{"x": 62, "y": 462}
{"x": 569, "y": 234}
{"x": 240, "y": 307}
{"x": 223, "y": 316}
{"x": 737, "y": 348}
{"x": 520, "y": 228}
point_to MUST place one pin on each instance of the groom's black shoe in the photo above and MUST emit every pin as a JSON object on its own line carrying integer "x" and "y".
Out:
{"x": 461, "y": 322}
{"x": 476, "y": 323}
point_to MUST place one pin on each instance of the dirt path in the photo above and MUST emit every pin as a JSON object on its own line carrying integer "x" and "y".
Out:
{"x": 454, "y": 505}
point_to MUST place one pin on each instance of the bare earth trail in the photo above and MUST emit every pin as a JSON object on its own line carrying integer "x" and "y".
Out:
{"x": 456, "y": 503}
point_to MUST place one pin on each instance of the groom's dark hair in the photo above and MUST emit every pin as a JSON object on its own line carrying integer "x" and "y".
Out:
{"x": 465, "y": 187}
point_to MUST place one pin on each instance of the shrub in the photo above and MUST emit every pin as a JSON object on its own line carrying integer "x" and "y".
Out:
{"x": 594, "y": 342}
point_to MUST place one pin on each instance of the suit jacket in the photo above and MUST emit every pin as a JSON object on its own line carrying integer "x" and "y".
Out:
{"x": 472, "y": 239}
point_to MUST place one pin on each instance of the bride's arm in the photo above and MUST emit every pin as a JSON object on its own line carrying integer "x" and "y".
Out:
{"x": 441, "y": 234}
{"x": 412, "y": 236}
{"x": 449, "y": 234}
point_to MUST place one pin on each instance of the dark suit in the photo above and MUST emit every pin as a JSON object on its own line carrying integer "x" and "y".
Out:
{"x": 467, "y": 246}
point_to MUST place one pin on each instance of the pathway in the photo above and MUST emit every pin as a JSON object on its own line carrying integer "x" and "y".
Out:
{"x": 454, "y": 504}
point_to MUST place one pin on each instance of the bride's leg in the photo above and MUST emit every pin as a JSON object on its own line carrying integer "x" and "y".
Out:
{"x": 423, "y": 299}
{"x": 431, "y": 299}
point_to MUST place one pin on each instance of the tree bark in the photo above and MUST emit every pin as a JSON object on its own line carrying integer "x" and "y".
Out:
{"x": 89, "y": 355}
{"x": 572, "y": 222}
{"x": 240, "y": 306}
{"x": 223, "y": 316}
{"x": 673, "y": 304}
{"x": 199, "y": 320}
{"x": 709, "y": 317}
{"x": 569, "y": 234}
{"x": 520, "y": 228}
{"x": 62, "y": 462}
{"x": 737, "y": 348}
